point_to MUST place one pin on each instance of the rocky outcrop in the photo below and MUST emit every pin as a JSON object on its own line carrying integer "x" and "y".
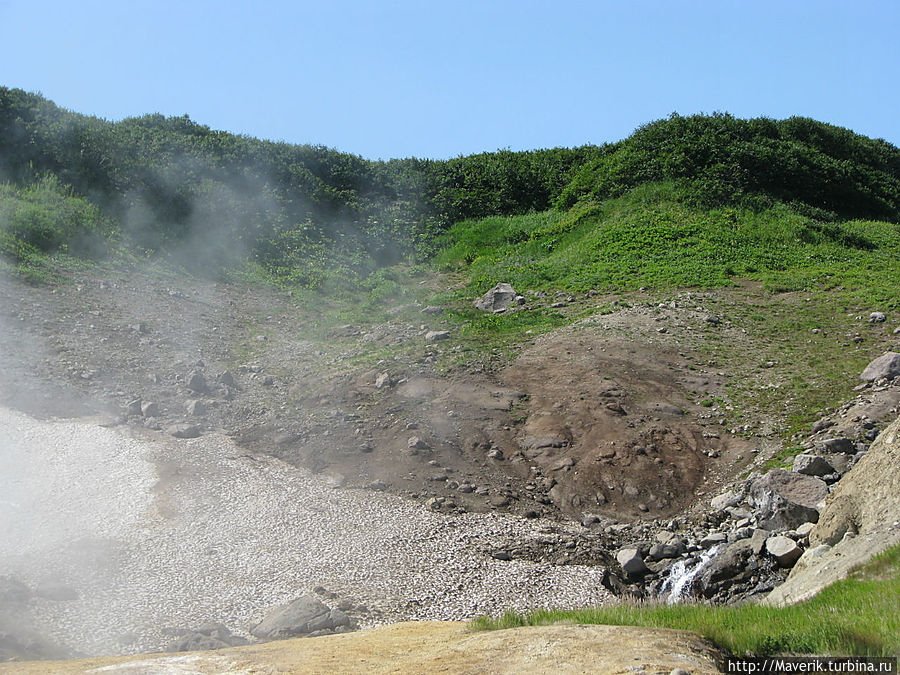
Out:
{"x": 860, "y": 519}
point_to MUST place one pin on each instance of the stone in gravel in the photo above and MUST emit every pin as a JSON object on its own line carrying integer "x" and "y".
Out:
{"x": 149, "y": 409}
{"x": 713, "y": 538}
{"x": 842, "y": 444}
{"x": 877, "y": 317}
{"x": 196, "y": 382}
{"x": 886, "y": 366}
{"x": 306, "y": 615}
{"x": 500, "y": 296}
{"x": 812, "y": 465}
{"x": 631, "y": 562}
{"x": 134, "y": 407}
{"x": 784, "y": 499}
{"x": 184, "y": 431}
{"x": 724, "y": 501}
{"x": 804, "y": 530}
{"x": 758, "y": 540}
{"x": 416, "y": 443}
{"x": 195, "y": 407}
{"x": 495, "y": 453}
{"x": 435, "y": 335}
{"x": 383, "y": 380}
{"x": 822, "y": 424}
{"x": 500, "y": 500}
{"x": 207, "y": 636}
{"x": 501, "y": 555}
{"x": 784, "y": 550}
{"x": 226, "y": 378}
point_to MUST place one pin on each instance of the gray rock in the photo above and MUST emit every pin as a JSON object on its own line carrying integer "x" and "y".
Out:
{"x": 833, "y": 445}
{"x": 195, "y": 407}
{"x": 416, "y": 443}
{"x": 500, "y": 296}
{"x": 149, "y": 409}
{"x": 383, "y": 380}
{"x": 196, "y": 382}
{"x": 631, "y": 562}
{"x": 713, "y": 538}
{"x": 436, "y": 335}
{"x": 432, "y": 309}
{"x": 184, "y": 431}
{"x": 804, "y": 530}
{"x": 724, "y": 568}
{"x": 724, "y": 500}
{"x": 812, "y": 465}
{"x": 784, "y": 550}
{"x": 877, "y": 317}
{"x": 758, "y": 541}
{"x": 207, "y": 636}
{"x": 304, "y": 616}
{"x": 785, "y": 499}
{"x": 885, "y": 366}
{"x": 226, "y": 378}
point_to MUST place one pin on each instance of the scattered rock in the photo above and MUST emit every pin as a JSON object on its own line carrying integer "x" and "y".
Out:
{"x": 724, "y": 501}
{"x": 631, "y": 562}
{"x": 436, "y": 335}
{"x": 500, "y": 296}
{"x": 877, "y": 317}
{"x": 207, "y": 636}
{"x": 149, "y": 409}
{"x": 785, "y": 499}
{"x": 305, "y": 616}
{"x": 184, "y": 431}
{"x": 758, "y": 540}
{"x": 812, "y": 465}
{"x": 134, "y": 407}
{"x": 886, "y": 366}
{"x": 383, "y": 380}
{"x": 195, "y": 407}
{"x": 226, "y": 378}
{"x": 835, "y": 445}
{"x": 197, "y": 382}
{"x": 784, "y": 550}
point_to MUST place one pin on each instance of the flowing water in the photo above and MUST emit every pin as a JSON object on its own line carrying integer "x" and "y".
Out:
{"x": 683, "y": 573}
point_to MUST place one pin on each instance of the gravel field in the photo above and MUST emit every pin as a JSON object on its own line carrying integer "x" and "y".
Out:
{"x": 156, "y": 534}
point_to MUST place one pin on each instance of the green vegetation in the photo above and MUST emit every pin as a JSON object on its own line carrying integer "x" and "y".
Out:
{"x": 856, "y": 616}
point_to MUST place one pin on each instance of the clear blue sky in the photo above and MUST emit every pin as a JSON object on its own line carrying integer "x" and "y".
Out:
{"x": 438, "y": 79}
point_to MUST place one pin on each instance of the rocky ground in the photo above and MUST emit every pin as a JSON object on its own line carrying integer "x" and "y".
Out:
{"x": 280, "y": 456}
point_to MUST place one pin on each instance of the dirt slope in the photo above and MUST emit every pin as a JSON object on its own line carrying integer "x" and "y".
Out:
{"x": 429, "y": 648}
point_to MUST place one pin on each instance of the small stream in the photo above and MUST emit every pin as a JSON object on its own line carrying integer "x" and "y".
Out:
{"x": 682, "y": 573}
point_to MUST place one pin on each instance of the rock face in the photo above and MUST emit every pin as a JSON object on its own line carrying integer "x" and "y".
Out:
{"x": 865, "y": 503}
{"x": 868, "y": 496}
{"x": 499, "y": 297}
{"x": 307, "y": 616}
{"x": 784, "y": 500}
{"x": 885, "y": 366}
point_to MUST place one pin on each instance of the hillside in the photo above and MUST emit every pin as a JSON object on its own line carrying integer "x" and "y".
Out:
{"x": 323, "y": 347}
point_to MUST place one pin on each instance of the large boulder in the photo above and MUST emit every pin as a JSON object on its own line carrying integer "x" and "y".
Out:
{"x": 499, "y": 297}
{"x": 207, "y": 636}
{"x": 886, "y": 366}
{"x": 784, "y": 550}
{"x": 632, "y": 563}
{"x": 812, "y": 465}
{"x": 305, "y": 616}
{"x": 785, "y": 500}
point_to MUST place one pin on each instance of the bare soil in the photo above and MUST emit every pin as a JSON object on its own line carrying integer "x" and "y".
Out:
{"x": 600, "y": 418}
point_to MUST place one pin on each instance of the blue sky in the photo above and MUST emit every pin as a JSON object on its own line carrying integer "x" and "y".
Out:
{"x": 439, "y": 79}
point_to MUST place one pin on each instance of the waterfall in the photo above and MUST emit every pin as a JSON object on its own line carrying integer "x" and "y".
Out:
{"x": 683, "y": 573}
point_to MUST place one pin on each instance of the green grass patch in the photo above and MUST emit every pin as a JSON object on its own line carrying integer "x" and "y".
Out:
{"x": 856, "y": 616}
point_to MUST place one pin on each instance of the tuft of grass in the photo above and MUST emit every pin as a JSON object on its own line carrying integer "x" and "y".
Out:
{"x": 856, "y": 616}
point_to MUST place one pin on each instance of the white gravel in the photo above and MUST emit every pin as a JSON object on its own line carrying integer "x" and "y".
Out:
{"x": 157, "y": 534}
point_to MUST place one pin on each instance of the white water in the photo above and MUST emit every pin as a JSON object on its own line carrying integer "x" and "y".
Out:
{"x": 682, "y": 574}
